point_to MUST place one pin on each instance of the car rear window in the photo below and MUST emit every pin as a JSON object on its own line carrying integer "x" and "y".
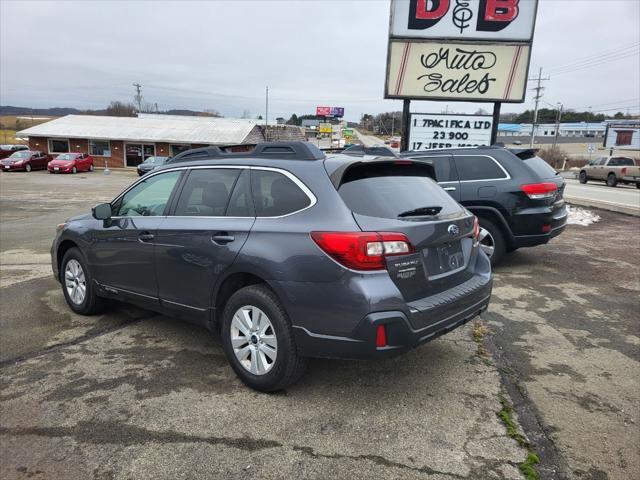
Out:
{"x": 540, "y": 167}
{"x": 386, "y": 190}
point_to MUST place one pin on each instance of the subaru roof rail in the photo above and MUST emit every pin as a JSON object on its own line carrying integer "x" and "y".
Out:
{"x": 272, "y": 150}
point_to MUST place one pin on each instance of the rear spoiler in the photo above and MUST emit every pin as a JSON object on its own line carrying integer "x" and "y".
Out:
{"x": 338, "y": 166}
{"x": 524, "y": 153}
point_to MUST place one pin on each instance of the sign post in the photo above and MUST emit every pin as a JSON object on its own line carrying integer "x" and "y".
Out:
{"x": 453, "y": 50}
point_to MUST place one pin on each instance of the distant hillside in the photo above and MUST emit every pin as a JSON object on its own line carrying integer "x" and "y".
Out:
{"x": 62, "y": 111}
{"x": 54, "y": 112}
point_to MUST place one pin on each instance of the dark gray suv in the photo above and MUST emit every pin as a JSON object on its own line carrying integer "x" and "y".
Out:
{"x": 286, "y": 252}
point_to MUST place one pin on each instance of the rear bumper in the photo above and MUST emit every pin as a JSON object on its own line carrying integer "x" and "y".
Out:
{"x": 424, "y": 321}
{"x": 530, "y": 223}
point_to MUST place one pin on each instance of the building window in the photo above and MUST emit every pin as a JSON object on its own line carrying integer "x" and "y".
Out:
{"x": 99, "y": 148}
{"x": 58, "y": 146}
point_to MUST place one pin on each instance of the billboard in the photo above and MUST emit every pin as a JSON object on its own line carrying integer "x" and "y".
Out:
{"x": 330, "y": 111}
{"x": 501, "y": 20}
{"x": 435, "y": 130}
{"x": 325, "y": 128}
{"x": 457, "y": 71}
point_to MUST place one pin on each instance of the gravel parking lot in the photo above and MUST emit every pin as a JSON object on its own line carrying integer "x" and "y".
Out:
{"x": 552, "y": 368}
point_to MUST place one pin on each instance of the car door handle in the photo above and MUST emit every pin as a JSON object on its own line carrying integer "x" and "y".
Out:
{"x": 222, "y": 238}
{"x": 146, "y": 237}
{"x": 449, "y": 189}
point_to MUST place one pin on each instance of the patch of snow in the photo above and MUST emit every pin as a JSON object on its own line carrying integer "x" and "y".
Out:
{"x": 580, "y": 216}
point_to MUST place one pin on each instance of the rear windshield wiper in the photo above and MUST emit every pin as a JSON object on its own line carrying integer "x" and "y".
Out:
{"x": 421, "y": 212}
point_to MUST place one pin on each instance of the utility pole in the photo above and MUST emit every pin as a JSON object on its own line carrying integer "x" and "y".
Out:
{"x": 266, "y": 117}
{"x": 138, "y": 96}
{"x": 558, "y": 116}
{"x": 537, "y": 98}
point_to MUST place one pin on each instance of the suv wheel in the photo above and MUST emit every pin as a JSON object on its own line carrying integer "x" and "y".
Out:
{"x": 258, "y": 341}
{"x": 492, "y": 241}
{"x": 77, "y": 285}
{"x": 612, "y": 181}
{"x": 583, "y": 177}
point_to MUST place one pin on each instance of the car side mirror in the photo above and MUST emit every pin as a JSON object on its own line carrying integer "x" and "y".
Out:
{"x": 102, "y": 211}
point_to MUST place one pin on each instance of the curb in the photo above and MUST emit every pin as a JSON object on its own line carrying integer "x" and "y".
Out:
{"x": 603, "y": 205}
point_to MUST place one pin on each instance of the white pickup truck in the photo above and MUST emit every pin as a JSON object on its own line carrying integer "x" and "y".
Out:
{"x": 612, "y": 170}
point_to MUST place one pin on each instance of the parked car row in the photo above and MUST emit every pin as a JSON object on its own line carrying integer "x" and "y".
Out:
{"x": 28, "y": 160}
{"x": 251, "y": 245}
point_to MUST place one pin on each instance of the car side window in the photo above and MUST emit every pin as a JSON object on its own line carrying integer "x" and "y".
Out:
{"x": 241, "y": 203}
{"x": 274, "y": 194}
{"x": 147, "y": 198}
{"x": 603, "y": 160}
{"x": 478, "y": 168}
{"x": 206, "y": 192}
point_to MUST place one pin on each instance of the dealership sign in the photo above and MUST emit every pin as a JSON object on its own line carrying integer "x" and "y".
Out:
{"x": 429, "y": 131}
{"x": 502, "y": 20}
{"x": 460, "y": 50}
{"x": 457, "y": 71}
{"x": 330, "y": 111}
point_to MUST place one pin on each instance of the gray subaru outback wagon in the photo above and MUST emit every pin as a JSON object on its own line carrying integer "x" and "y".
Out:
{"x": 286, "y": 252}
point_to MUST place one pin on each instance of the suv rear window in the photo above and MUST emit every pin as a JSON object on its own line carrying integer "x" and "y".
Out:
{"x": 386, "y": 190}
{"x": 540, "y": 167}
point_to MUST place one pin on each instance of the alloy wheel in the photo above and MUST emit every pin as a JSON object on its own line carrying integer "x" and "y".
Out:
{"x": 253, "y": 340}
{"x": 487, "y": 243}
{"x": 75, "y": 281}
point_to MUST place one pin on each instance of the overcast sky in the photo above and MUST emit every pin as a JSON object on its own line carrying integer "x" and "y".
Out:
{"x": 221, "y": 54}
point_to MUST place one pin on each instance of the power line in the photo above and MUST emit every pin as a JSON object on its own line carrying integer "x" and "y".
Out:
{"x": 596, "y": 63}
{"x": 603, "y": 53}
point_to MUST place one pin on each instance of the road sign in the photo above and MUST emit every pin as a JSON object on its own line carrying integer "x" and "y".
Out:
{"x": 325, "y": 128}
{"x": 434, "y": 130}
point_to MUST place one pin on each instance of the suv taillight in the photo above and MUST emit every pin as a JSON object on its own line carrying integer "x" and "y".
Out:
{"x": 539, "y": 191}
{"x": 362, "y": 250}
{"x": 476, "y": 229}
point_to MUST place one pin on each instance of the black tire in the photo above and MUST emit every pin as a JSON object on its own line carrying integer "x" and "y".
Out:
{"x": 92, "y": 303}
{"x": 27, "y": 168}
{"x": 637, "y": 184}
{"x": 583, "y": 177}
{"x": 497, "y": 241}
{"x": 288, "y": 366}
{"x": 612, "y": 181}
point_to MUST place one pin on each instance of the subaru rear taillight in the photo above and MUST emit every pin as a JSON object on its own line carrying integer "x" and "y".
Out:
{"x": 476, "y": 229}
{"x": 540, "y": 191}
{"x": 362, "y": 250}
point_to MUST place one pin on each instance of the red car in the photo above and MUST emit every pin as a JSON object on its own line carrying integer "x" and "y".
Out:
{"x": 71, "y": 163}
{"x": 26, "y": 160}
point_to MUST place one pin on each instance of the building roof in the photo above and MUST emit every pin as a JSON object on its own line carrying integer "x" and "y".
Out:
{"x": 146, "y": 128}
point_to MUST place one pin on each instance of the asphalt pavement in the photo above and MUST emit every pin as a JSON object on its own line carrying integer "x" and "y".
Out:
{"x": 132, "y": 394}
{"x": 623, "y": 198}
